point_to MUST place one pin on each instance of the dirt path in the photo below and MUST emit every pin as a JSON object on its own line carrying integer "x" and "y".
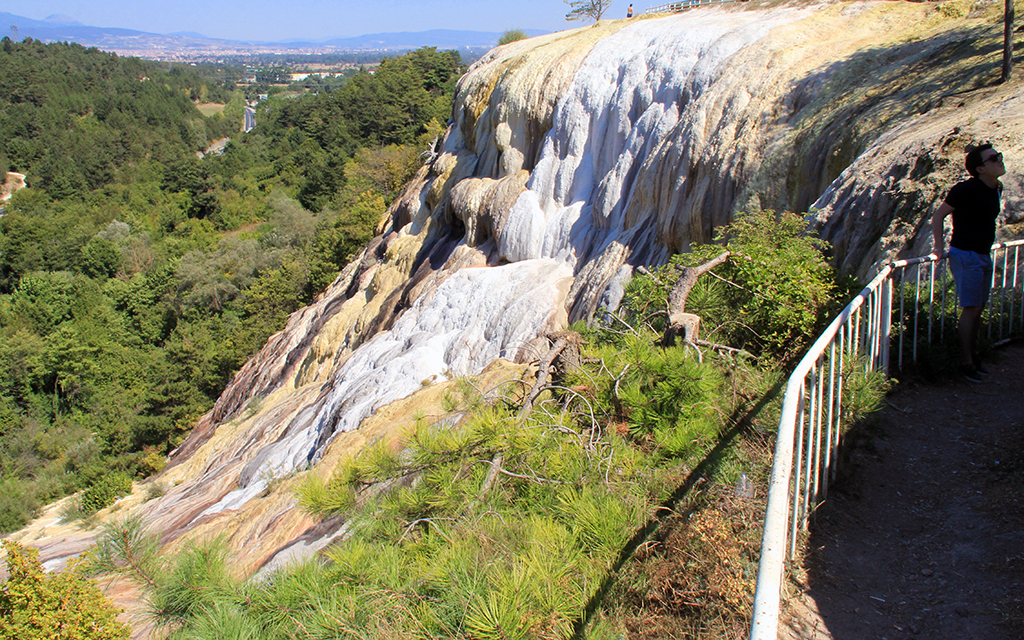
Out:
{"x": 923, "y": 535}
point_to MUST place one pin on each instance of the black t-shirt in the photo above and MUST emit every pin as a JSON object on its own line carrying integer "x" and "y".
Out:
{"x": 975, "y": 209}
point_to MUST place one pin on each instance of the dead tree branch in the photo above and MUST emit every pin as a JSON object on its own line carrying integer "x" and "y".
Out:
{"x": 681, "y": 323}
{"x": 492, "y": 475}
{"x": 564, "y": 341}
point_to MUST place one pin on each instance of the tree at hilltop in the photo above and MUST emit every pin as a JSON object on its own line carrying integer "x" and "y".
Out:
{"x": 587, "y": 9}
{"x": 512, "y": 35}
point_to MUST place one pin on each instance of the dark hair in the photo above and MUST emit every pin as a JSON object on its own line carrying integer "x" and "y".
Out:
{"x": 973, "y": 159}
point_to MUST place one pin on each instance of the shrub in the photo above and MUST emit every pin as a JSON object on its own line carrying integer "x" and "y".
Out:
{"x": 666, "y": 399}
{"x": 787, "y": 282}
{"x": 512, "y": 35}
{"x": 38, "y": 605}
{"x": 197, "y": 579}
{"x": 18, "y": 505}
{"x": 105, "y": 491}
{"x": 769, "y": 298}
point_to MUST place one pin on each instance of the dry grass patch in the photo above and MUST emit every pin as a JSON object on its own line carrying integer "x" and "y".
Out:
{"x": 210, "y": 108}
{"x": 696, "y": 579}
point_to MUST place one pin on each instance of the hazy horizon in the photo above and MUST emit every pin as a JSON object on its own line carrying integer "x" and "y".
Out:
{"x": 311, "y": 20}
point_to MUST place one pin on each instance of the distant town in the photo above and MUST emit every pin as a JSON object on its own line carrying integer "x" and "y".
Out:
{"x": 189, "y": 48}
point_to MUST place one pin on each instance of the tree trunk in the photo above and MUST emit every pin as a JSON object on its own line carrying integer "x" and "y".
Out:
{"x": 680, "y": 322}
{"x": 1007, "y": 41}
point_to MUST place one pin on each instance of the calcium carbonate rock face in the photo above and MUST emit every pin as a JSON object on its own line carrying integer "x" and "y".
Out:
{"x": 878, "y": 210}
{"x": 570, "y": 160}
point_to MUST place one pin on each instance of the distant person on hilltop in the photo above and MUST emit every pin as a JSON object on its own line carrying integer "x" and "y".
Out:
{"x": 975, "y": 205}
{"x": 629, "y": 12}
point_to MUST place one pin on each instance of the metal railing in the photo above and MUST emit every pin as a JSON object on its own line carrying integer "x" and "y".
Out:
{"x": 861, "y": 338}
{"x": 683, "y": 5}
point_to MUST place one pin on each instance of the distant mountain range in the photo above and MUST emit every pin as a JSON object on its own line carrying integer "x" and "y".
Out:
{"x": 61, "y": 28}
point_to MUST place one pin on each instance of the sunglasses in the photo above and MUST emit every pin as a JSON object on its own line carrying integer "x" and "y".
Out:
{"x": 996, "y": 158}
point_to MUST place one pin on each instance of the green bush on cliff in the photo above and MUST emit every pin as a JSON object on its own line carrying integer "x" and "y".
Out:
{"x": 769, "y": 298}
{"x": 511, "y": 35}
{"x": 195, "y": 581}
{"x": 105, "y": 492}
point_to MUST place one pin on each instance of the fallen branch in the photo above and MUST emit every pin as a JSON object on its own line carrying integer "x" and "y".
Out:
{"x": 563, "y": 340}
{"x": 492, "y": 475}
{"x": 536, "y": 479}
{"x": 618, "y": 379}
{"x": 720, "y": 347}
{"x": 415, "y": 522}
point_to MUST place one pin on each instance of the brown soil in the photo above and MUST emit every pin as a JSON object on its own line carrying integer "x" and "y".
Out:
{"x": 11, "y": 182}
{"x": 923, "y": 534}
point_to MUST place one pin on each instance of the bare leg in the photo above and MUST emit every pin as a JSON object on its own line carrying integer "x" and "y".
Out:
{"x": 967, "y": 330}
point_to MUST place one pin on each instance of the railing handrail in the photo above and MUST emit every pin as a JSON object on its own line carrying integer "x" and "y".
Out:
{"x": 780, "y": 519}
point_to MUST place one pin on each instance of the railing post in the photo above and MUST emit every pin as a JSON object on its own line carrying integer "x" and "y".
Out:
{"x": 917, "y": 307}
{"x": 843, "y": 333}
{"x": 798, "y": 464}
{"x": 885, "y": 337}
{"x": 1002, "y": 292}
{"x": 931, "y": 299}
{"x": 773, "y": 543}
{"x": 988, "y": 308}
{"x": 829, "y": 467}
{"x": 942, "y": 324}
{"x": 1013, "y": 295}
{"x": 903, "y": 323}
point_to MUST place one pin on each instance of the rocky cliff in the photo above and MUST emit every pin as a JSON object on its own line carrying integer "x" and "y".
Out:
{"x": 570, "y": 160}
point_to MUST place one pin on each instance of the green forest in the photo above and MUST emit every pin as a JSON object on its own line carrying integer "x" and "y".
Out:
{"x": 136, "y": 277}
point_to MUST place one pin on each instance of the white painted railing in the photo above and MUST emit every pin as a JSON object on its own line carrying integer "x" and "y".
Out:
{"x": 683, "y": 5}
{"x": 812, "y": 409}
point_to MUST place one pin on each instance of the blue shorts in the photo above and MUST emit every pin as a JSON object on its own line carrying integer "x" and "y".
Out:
{"x": 972, "y": 273}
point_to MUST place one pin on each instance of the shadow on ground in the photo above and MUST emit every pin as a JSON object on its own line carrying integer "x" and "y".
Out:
{"x": 923, "y": 533}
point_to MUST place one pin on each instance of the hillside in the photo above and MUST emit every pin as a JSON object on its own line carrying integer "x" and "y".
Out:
{"x": 72, "y": 118}
{"x": 571, "y": 161}
{"x": 194, "y": 46}
{"x": 136, "y": 278}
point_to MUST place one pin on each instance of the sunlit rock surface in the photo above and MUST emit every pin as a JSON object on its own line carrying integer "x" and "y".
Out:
{"x": 570, "y": 160}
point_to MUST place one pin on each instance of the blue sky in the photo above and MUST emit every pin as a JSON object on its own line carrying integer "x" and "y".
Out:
{"x": 305, "y": 19}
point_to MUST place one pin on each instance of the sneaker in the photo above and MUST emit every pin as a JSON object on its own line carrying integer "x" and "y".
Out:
{"x": 970, "y": 373}
{"x": 980, "y": 368}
